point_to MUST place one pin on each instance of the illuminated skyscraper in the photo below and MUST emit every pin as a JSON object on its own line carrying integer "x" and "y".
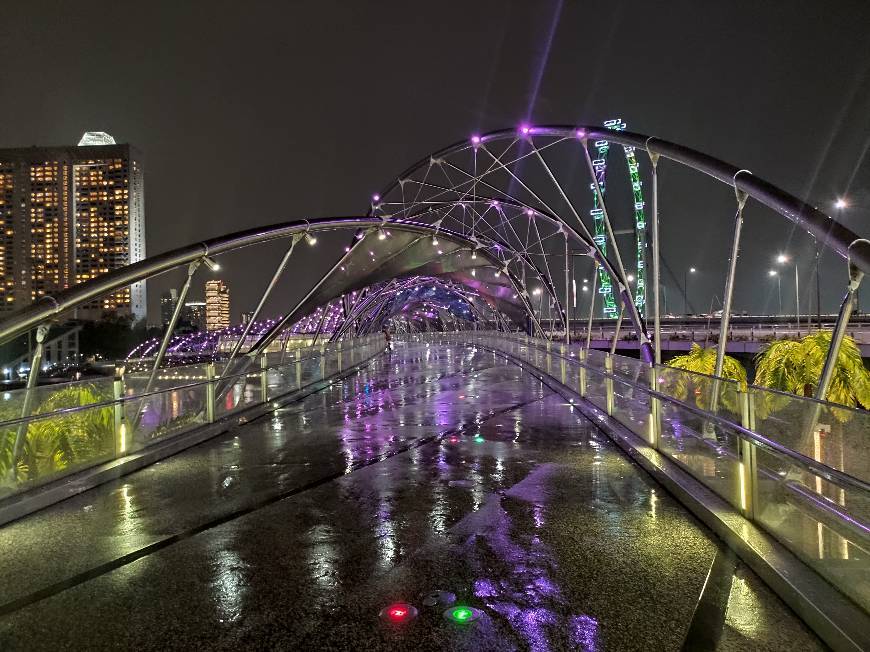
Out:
{"x": 168, "y": 301}
{"x": 217, "y": 305}
{"x": 194, "y": 314}
{"x": 68, "y": 214}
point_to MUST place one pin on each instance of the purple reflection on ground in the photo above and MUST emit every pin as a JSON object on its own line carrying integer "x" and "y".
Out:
{"x": 584, "y": 632}
{"x": 528, "y": 598}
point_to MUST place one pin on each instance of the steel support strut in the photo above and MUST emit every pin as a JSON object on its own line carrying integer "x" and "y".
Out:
{"x": 624, "y": 293}
{"x": 724, "y": 325}
{"x": 170, "y": 328}
{"x": 855, "y": 277}
{"x": 657, "y": 317}
{"x": 567, "y": 296}
{"x": 592, "y": 304}
{"x": 271, "y": 286}
{"x": 32, "y": 376}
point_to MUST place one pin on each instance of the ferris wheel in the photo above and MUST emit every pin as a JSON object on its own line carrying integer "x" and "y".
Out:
{"x": 602, "y": 147}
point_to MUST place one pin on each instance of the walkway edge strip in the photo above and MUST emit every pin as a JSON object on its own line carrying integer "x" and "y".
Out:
{"x": 834, "y": 618}
{"x": 23, "y": 504}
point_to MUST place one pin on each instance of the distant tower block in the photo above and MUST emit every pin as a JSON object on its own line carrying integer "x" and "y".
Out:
{"x": 67, "y": 215}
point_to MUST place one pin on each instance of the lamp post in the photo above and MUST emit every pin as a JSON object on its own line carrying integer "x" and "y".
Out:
{"x": 782, "y": 259}
{"x": 686, "y": 273}
{"x": 842, "y": 204}
{"x": 774, "y": 273}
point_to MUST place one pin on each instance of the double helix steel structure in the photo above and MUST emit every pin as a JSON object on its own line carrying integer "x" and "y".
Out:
{"x": 477, "y": 242}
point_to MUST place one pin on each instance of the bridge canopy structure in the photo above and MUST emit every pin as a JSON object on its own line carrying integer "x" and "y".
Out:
{"x": 466, "y": 259}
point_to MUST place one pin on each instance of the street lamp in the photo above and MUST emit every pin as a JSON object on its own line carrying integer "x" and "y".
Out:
{"x": 773, "y": 273}
{"x": 691, "y": 270}
{"x": 782, "y": 259}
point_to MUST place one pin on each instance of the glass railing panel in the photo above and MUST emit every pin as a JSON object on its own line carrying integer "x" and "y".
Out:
{"x": 58, "y": 444}
{"x": 631, "y": 407}
{"x": 162, "y": 414}
{"x": 825, "y": 524}
{"x": 596, "y": 358}
{"x": 836, "y": 436}
{"x": 715, "y": 395}
{"x": 45, "y": 398}
{"x": 707, "y": 449}
{"x": 630, "y": 368}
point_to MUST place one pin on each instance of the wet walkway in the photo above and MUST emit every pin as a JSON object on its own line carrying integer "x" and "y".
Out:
{"x": 433, "y": 470}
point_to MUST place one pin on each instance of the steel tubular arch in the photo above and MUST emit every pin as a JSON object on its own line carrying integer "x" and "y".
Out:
{"x": 822, "y": 227}
{"x": 45, "y": 310}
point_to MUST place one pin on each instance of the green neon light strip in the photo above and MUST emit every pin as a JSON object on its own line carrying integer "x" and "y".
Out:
{"x": 600, "y": 165}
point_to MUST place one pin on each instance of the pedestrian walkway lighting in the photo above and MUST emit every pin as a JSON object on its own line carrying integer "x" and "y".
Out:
{"x": 398, "y": 613}
{"x": 462, "y": 615}
{"x": 211, "y": 263}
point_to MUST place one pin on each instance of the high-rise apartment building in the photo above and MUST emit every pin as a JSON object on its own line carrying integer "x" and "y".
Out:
{"x": 168, "y": 301}
{"x": 68, "y": 214}
{"x": 217, "y": 305}
{"x": 194, "y": 314}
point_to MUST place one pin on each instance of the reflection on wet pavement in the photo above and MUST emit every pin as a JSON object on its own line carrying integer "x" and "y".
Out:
{"x": 516, "y": 506}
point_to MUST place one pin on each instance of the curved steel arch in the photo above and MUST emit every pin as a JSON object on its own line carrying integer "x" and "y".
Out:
{"x": 47, "y": 308}
{"x": 821, "y": 226}
{"x": 372, "y": 301}
{"x": 498, "y": 244}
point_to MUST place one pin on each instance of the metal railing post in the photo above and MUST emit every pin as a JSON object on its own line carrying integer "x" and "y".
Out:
{"x": 118, "y": 414}
{"x": 608, "y": 382}
{"x": 210, "y": 393}
{"x": 32, "y": 377}
{"x": 747, "y": 464}
{"x": 298, "y": 356}
{"x": 322, "y": 361}
{"x": 655, "y": 416}
{"x": 264, "y": 377}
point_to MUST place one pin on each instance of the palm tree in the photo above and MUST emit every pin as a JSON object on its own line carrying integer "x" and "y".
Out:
{"x": 60, "y": 442}
{"x": 701, "y": 363}
{"x": 796, "y": 366}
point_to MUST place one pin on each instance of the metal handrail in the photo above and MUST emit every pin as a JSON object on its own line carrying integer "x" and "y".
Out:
{"x": 808, "y": 464}
{"x": 63, "y": 412}
{"x": 37, "y": 313}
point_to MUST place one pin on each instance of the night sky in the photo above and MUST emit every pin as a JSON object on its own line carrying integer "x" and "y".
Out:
{"x": 258, "y": 112}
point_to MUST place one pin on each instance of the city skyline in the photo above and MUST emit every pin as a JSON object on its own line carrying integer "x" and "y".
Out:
{"x": 257, "y": 157}
{"x": 68, "y": 214}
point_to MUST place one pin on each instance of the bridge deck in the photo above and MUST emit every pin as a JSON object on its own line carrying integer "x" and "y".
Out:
{"x": 295, "y": 530}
